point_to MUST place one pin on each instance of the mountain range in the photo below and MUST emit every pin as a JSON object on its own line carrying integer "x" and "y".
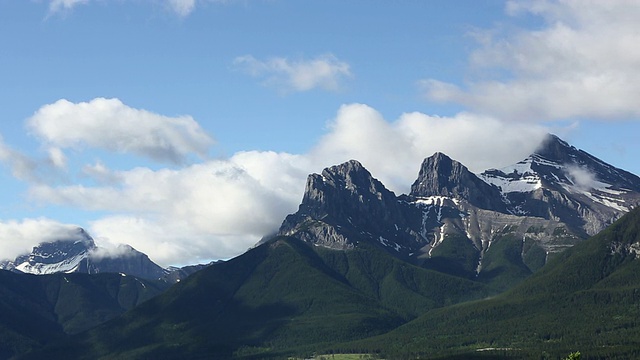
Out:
{"x": 79, "y": 254}
{"x": 527, "y": 212}
{"x": 520, "y": 262}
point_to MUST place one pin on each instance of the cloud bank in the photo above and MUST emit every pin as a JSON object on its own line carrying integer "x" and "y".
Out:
{"x": 582, "y": 63}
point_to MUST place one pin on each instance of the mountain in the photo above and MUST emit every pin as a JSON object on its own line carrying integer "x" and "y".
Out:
{"x": 562, "y": 182}
{"x": 280, "y": 297}
{"x": 35, "y": 310}
{"x": 80, "y": 254}
{"x": 586, "y": 299}
{"x": 357, "y": 261}
{"x": 498, "y": 227}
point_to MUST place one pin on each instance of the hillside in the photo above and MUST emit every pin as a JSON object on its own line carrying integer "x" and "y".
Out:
{"x": 278, "y": 298}
{"x": 37, "y": 309}
{"x": 587, "y": 299}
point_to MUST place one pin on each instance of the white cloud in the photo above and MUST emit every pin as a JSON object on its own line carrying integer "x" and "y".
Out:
{"x": 393, "y": 151}
{"x": 182, "y": 7}
{"x": 109, "y": 124}
{"x": 325, "y": 72}
{"x": 582, "y": 177}
{"x": 219, "y": 208}
{"x": 19, "y": 237}
{"x": 215, "y": 209}
{"x": 583, "y": 62}
{"x": 64, "y": 5}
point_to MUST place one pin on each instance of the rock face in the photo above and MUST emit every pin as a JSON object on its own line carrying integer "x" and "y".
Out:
{"x": 563, "y": 183}
{"x": 500, "y": 222}
{"x": 441, "y": 176}
{"x": 80, "y": 255}
{"x": 345, "y": 203}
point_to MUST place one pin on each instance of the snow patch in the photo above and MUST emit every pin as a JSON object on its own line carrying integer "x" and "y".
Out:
{"x": 66, "y": 266}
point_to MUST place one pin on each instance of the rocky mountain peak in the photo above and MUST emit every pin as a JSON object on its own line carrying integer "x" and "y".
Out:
{"x": 350, "y": 175}
{"x": 555, "y": 149}
{"x": 77, "y": 245}
{"x": 348, "y": 182}
{"x": 442, "y": 176}
{"x": 341, "y": 199}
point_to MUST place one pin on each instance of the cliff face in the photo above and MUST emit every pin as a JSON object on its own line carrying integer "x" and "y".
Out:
{"x": 441, "y": 176}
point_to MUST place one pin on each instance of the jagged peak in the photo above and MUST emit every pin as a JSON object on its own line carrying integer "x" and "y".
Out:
{"x": 442, "y": 176}
{"x": 350, "y": 175}
{"x": 435, "y": 173}
{"x": 345, "y": 169}
{"x": 555, "y": 149}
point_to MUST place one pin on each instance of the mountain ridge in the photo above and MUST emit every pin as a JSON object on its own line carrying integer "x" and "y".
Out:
{"x": 552, "y": 200}
{"x": 80, "y": 254}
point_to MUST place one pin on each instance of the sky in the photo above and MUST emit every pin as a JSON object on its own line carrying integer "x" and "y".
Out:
{"x": 187, "y": 128}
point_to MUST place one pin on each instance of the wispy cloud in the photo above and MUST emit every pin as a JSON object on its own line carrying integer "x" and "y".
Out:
{"x": 48, "y": 169}
{"x": 109, "y": 124}
{"x": 181, "y": 8}
{"x": 64, "y": 5}
{"x": 582, "y": 63}
{"x": 326, "y": 72}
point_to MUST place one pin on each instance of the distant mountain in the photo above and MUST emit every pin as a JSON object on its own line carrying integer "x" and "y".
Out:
{"x": 81, "y": 255}
{"x": 587, "y": 299}
{"x": 36, "y": 310}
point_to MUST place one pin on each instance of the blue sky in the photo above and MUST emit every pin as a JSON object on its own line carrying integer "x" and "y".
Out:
{"x": 186, "y": 128}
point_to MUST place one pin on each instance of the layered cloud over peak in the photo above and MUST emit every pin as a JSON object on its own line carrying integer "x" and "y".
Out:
{"x": 393, "y": 150}
{"x": 18, "y": 237}
{"x": 111, "y": 125}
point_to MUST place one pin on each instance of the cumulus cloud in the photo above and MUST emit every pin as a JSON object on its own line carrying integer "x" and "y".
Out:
{"x": 394, "y": 150}
{"x": 326, "y": 72}
{"x": 582, "y": 63}
{"x": 19, "y": 237}
{"x": 211, "y": 210}
{"x": 219, "y": 208}
{"x": 111, "y": 125}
